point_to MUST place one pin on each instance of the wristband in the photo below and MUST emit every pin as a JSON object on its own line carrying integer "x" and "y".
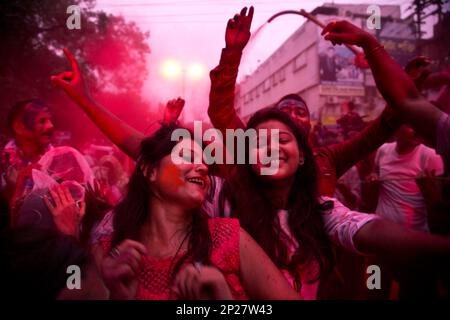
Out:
{"x": 373, "y": 50}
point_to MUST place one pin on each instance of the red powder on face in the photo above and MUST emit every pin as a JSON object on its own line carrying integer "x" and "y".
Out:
{"x": 171, "y": 174}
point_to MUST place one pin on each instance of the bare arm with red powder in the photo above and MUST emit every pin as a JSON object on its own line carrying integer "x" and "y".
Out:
{"x": 223, "y": 78}
{"x": 120, "y": 133}
{"x": 261, "y": 278}
{"x": 394, "y": 84}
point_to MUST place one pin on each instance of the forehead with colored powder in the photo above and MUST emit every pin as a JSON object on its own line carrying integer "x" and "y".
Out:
{"x": 293, "y": 103}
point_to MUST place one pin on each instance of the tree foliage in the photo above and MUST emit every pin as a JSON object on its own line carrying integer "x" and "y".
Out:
{"x": 111, "y": 51}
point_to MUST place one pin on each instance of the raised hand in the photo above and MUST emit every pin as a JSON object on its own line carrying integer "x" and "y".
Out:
{"x": 22, "y": 181}
{"x": 343, "y": 32}
{"x": 201, "y": 283}
{"x": 120, "y": 270}
{"x": 65, "y": 211}
{"x": 71, "y": 81}
{"x": 173, "y": 110}
{"x": 237, "y": 33}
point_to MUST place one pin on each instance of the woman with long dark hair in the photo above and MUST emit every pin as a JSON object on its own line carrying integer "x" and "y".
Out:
{"x": 164, "y": 246}
{"x": 286, "y": 216}
{"x": 282, "y": 211}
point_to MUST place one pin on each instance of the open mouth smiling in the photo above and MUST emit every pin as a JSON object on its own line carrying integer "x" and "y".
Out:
{"x": 198, "y": 181}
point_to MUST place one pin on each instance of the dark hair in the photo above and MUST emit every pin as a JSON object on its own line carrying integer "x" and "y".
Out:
{"x": 250, "y": 200}
{"x": 132, "y": 212}
{"x": 17, "y": 111}
{"x": 34, "y": 261}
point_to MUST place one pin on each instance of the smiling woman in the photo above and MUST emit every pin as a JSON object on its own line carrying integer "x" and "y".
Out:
{"x": 164, "y": 246}
{"x": 253, "y": 147}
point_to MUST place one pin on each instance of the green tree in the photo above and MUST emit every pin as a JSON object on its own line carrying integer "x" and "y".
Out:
{"x": 111, "y": 51}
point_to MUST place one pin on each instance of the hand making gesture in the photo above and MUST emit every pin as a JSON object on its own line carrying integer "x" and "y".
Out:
{"x": 71, "y": 82}
{"x": 343, "y": 32}
{"x": 237, "y": 33}
{"x": 173, "y": 110}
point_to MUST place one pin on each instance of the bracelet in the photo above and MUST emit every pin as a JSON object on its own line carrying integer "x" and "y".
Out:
{"x": 373, "y": 50}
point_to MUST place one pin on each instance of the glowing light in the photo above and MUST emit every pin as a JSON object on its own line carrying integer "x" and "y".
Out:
{"x": 171, "y": 69}
{"x": 195, "y": 71}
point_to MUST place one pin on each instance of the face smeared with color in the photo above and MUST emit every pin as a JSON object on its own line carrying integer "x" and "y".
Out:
{"x": 36, "y": 125}
{"x": 187, "y": 183}
{"x": 290, "y": 156}
{"x": 298, "y": 112}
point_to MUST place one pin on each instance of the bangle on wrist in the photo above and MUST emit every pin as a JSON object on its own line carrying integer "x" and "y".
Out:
{"x": 378, "y": 47}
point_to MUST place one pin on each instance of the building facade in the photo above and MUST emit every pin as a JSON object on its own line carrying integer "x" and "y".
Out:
{"x": 324, "y": 75}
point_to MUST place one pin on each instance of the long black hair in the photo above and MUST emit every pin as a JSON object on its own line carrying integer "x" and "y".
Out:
{"x": 132, "y": 212}
{"x": 250, "y": 200}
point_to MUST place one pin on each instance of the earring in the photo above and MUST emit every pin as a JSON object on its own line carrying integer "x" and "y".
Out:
{"x": 301, "y": 162}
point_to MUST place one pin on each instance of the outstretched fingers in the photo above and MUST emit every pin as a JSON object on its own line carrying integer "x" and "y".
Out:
{"x": 61, "y": 80}
{"x": 329, "y": 27}
{"x": 244, "y": 18}
{"x": 73, "y": 62}
{"x": 251, "y": 11}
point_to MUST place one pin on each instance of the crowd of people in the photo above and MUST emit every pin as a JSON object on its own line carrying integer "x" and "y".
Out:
{"x": 170, "y": 230}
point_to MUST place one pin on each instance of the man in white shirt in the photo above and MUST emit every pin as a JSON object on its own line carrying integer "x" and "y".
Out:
{"x": 397, "y": 165}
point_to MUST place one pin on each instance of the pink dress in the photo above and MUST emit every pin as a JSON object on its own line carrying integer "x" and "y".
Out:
{"x": 154, "y": 278}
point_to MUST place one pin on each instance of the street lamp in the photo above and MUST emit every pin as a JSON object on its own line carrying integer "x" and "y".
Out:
{"x": 195, "y": 71}
{"x": 172, "y": 70}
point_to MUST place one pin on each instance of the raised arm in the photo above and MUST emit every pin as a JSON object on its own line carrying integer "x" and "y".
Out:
{"x": 173, "y": 110}
{"x": 221, "y": 109}
{"x": 392, "y": 82}
{"x": 121, "y": 134}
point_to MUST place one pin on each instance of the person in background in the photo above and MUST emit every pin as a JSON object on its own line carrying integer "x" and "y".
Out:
{"x": 65, "y": 196}
{"x": 400, "y": 199}
{"x": 350, "y": 121}
{"x": 401, "y": 93}
{"x": 30, "y": 124}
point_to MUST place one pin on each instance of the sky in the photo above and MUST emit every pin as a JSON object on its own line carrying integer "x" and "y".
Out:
{"x": 192, "y": 32}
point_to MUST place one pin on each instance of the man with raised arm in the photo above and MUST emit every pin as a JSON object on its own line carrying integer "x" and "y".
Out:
{"x": 395, "y": 86}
